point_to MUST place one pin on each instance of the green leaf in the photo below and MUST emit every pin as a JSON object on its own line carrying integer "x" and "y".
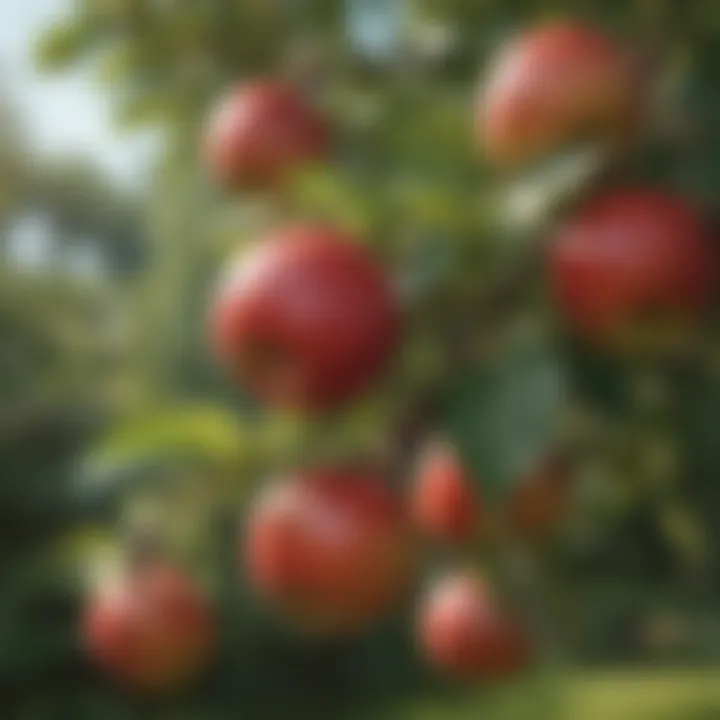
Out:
{"x": 118, "y": 65}
{"x": 203, "y": 432}
{"x": 427, "y": 263}
{"x": 505, "y": 416}
{"x": 334, "y": 198}
{"x": 62, "y": 44}
{"x": 143, "y": 107}
{"x": 534, "y": 200}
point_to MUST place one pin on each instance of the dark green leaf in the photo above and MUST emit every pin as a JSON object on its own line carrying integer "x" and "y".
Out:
{"x": 505, "y": 416}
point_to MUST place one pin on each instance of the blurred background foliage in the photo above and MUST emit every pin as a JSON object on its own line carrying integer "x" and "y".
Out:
{"x": 112, "y": 410}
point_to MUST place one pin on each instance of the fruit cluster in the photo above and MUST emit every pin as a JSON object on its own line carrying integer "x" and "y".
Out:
{"x": 306, "y": 319}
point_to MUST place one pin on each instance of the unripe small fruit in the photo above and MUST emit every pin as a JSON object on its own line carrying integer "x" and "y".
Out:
{"x": 260, "y": 133}
{"x": 537, "y": 505}
{"x": 553, "y": 84}
{"x": 305, "y": 319}
{"x": 465, "y": 633}
{"x": 631, "y": 263}
{"x": 331, "y": 549}
{"x": 445, "y": 504}
{"x": 150, "y": 629}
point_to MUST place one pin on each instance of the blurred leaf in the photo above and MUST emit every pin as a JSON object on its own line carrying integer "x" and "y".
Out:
{"x": 118, "y": 65}
{"x": 428, "y": 262}
{"x": 333, "y": 197}
{"x": 205, "y": 432}
{"x": 436, "y": 203}
{"x": 84, "y": 542}
{"x": 531, "y": 201}
{"x": 63, "y": 44}
{"x": 143, "y": 108}
{"x": 505, "y": 415}
{"x": 685, "y": 535}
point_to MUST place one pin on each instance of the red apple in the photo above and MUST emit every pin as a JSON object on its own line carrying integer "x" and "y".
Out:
{"x": 305, "y": 318}
{"x": 445, "y": 505}
{"x": 465, "y": 633}
{"x": 332, "y": 549}
{"x": 551, "y": 85}
{"x": 260, "y": 133}
{"x": 150, "y": 629}
{"x": 629, "y": 263}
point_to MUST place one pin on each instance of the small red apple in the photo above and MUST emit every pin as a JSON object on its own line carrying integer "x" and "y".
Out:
{"x": 465, "y": 633}
{"x": 332, "y": 549}
{"x": 305, "y": 318}
{"x": 551, "y": 85}
{"x": 150, "y": 629}
{"x": 631, "y": 262}
{"x": 444, "y": 502}
{"x": 260, "y": 133}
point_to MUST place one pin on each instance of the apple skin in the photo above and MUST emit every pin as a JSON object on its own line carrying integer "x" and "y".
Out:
{"x": 332, "y": 549}
{"x": 260, "y": 133}
{"x": 445, "y": 505}
{"x": 305, "y": 319}
{"x": 464, "y": 633}
{"x": 629, "y": 263}
{"x": 151, "y": 629}
{"x": 549, "y": 86}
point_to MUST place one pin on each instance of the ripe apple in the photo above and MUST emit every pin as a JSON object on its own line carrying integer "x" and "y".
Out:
{"x": 150, "y": 629}
{"x": 260, "y": 133}
{"x": 332, "y": 549}
{"x": 465, "y": 633}
{"x": 305, "y": 318}
{"x": 444, "y": 502}
{"x": 632, "y": 264}
{"x": 551, "y": 85}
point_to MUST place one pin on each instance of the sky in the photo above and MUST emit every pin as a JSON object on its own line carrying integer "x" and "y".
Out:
{"x": 67, "y": 113}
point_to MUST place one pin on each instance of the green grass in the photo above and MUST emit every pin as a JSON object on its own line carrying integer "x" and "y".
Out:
{"x": 620, "y": 694}
{"x": 636, "y": 695}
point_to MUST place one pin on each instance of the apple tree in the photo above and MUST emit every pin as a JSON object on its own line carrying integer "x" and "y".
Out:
{"x": 430, "y": 291}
